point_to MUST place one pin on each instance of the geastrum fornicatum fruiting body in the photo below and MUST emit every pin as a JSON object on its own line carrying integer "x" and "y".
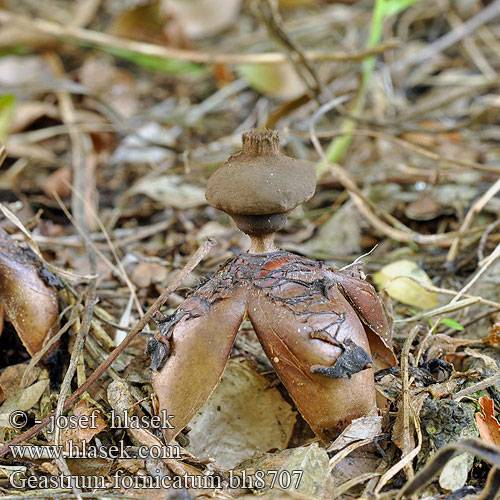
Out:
{"x": 323, "y": 330}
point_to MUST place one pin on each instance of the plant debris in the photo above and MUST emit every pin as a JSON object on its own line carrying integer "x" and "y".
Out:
{"x": 126, "y": 297}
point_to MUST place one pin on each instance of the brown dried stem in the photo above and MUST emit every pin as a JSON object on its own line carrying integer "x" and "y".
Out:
{"x": 148, "y": 49}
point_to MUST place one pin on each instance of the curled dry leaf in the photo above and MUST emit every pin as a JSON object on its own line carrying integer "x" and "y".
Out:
{"x": 30, "y": 305}
{"x": 489, "y": 427}
{"x": 314, "y": 322}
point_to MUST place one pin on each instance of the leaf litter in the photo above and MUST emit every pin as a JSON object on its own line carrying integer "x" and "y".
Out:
{"x": 149, "y": 123}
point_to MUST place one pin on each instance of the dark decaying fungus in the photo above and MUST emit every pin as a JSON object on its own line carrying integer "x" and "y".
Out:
{"x": 324, "y": 330}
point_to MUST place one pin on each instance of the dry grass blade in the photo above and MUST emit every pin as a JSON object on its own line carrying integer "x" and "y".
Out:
{"x": 409, "y": 455}
{"x": 148, "y": 49}
{"x": 36, "y": 250}
{"x": 485, "y": 451}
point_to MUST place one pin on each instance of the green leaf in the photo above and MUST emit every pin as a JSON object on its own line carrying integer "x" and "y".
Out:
{"x": 452, "y": 324}
{"x": 7, "y": 108}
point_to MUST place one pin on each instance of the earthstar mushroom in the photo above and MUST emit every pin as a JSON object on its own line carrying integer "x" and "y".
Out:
{"x": 324, "y": 330}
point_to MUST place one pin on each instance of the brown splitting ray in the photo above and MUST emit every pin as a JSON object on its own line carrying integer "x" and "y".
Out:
{"x": 200, "y": 349}
{"x": 304, "y": 324}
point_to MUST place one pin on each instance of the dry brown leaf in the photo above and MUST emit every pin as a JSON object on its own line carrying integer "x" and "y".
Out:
{"x": 202, "y": 18}
{"x": 147, "y": 273}
{"x": 84, "y": 433}
{"x": 488, "y": 361}
{"x": 11, "y": 377}
{"x": 23, "y": 400}
{"x": 489, "y": 427}
{"x": 117, "y": 86}
{"x": 238, "y": 427}
{"x": 440, "y": 345}
{"x": 360, "y": 428}
{"x": 424, "y": 208}
{"x": 29, "y": 111}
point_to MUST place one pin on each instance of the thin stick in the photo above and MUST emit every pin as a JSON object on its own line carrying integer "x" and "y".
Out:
{"x": 474, "y": 210}
{"x": 101, "y": 369}
{"x": 484, "y": 384}
{"x": 148, "y": 49}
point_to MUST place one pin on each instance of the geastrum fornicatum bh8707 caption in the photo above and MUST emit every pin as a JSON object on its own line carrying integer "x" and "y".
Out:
{"x": 324, "y": 330}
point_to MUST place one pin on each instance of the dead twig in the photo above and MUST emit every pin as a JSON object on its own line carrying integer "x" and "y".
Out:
{"x": 270, "y": 15}
{"x": 484, "y": 384}
{"x": 98, "y": 39}
{"x": 408, "y": 455}
{"x": 474, "y": 210}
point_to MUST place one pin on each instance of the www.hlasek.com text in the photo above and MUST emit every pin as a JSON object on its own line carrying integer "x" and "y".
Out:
{"x": 85, "y": 450}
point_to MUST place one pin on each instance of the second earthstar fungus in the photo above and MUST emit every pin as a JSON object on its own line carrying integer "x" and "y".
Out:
{"x": 324, "y": 330}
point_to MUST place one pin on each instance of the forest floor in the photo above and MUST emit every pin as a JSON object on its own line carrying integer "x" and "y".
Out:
{"x": 115, "y": 114}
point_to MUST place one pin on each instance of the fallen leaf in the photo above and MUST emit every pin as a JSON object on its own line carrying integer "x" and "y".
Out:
{"x": 455, "y": 472}
{"x": 238, "y": 427}
{"x": 28, "y": 112}
{"x": 340, "y": 234}
{"x": 58, "y": 182}
{"x": 311, "y": 461}
{"x": 11, "y": 378}
{"x": 117, "y": 86}
{"x": 489, "y": 427}
{"x": 23, "y": 400}
{"x": 407, "y": 291}
{"x": 23, "y": 70}
{"x": 203, "y": 18}
{"x": 84, "y": 433}
{"x": 171, "y": 190}
{"x": 360, "y": 428}
{"x": 279, "y": 80}
{"x": 424, "y": 208}
{"x": 488, "y": 361}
